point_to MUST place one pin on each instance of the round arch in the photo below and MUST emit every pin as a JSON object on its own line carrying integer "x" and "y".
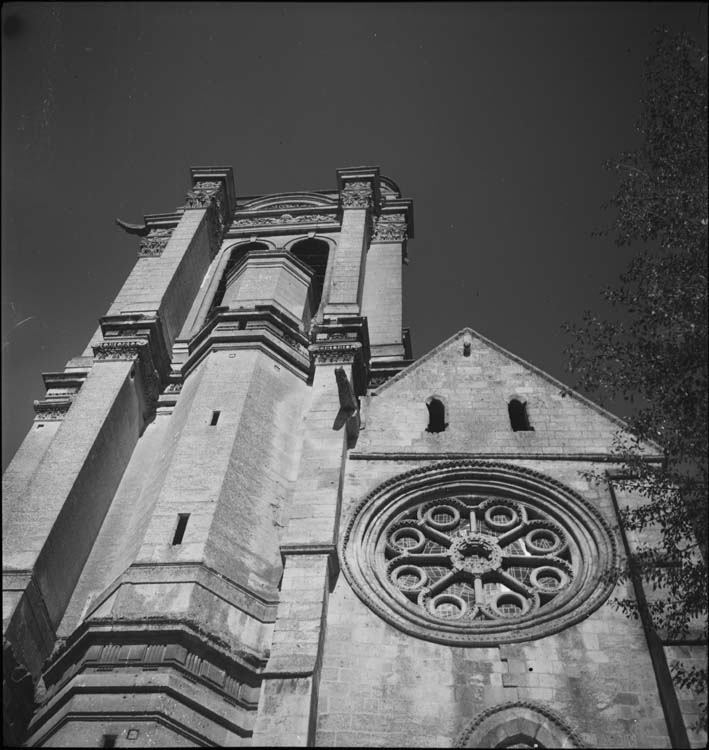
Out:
{"x": 316, "y": 252}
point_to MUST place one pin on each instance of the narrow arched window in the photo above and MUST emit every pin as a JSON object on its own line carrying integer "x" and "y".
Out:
{"x": 314, "y": 254}
{"x": 436, "y": 415}
{"x": 235, "y": 256}
{"x": 519, "y": 421}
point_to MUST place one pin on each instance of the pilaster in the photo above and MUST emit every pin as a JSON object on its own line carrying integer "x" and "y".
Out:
{"x": 382, "y": 302}
{"x": 359, "y": 200}
{"x": 287, "y": 707}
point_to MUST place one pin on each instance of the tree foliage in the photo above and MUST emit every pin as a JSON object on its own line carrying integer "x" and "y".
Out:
{"x": 653, "y": 350}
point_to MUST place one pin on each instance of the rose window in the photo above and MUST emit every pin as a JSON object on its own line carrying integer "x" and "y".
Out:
{"x": 473, "y": 553}
{"x": 470, "y": 557}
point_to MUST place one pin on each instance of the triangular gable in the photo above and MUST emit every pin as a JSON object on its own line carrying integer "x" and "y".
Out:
{"x": 563, "y": 389}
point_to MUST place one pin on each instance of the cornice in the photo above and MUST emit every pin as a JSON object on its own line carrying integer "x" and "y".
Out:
{"x": 343, "y": 340}
{"x": 225, "y": 175}
{"x": 265, "y": 326}
{"x": 62, "y": 388}
{"x": 420, "y": 456}
{"x": 51, "y": 410}
{"x": 139, "y": 326}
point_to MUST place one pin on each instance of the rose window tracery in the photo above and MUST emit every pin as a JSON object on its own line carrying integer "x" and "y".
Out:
{"x": 474, "y": 553}
{"x": 472, "y": 557}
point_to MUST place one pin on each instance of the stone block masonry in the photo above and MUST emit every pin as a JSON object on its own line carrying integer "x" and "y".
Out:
{"x": 186, "y": 525}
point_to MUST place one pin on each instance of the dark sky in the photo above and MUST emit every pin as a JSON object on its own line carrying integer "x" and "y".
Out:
{"x": 494, "y": 118}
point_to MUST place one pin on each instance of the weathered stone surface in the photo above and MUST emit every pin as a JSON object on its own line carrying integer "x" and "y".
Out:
{"x": 174, "y": 524}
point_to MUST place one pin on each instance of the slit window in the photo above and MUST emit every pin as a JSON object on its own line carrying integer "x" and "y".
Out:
{"x": 109, "y": 740}
{"x": 436, "y": 415}
{"x": 215, "y": 418}
{"x": 182, "y": 519}
{"x": 519, "y": 421}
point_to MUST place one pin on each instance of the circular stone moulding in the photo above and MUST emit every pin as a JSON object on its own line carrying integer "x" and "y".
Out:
{"x": 471, "y": 553}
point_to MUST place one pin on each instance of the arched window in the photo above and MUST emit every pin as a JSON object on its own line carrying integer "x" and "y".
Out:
{"x": 436, "y": 415}
{"x": 519, "y": 724}
{"x": 519, "y": 421}
{"x": 235, "y": 256}
{"x": 314, "y": 254}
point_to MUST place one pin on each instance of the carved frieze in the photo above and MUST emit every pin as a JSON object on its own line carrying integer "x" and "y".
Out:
{"x": 257, "y": 221}
{"x": 122, "y": 349}
{"x": 341, "y": 353}
{"x": 389, "y": 228}
{"x": 284, "y": 206}
{"x": 154, "y": 243}
{"x": 357, "y": 195}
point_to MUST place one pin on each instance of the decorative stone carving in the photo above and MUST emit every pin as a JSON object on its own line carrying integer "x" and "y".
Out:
{"x": 62, "y": 388}
{"x": 285, "y": 206}
{"x": 336, "y": 353}
{"x": 471, "y": 558}
{"x": 543, "y": 724}
{"x": 122, "y": 349}
{"x": 389, "y": 228}
{"x": 376, "y": 381}
{"x": 357, "y": 195}
{"x": 51, "y": 411}
{"x": 155, "y": 242}
{"x": 471, "y": 553}
{"x": 128, "y": 350}
{"x": 285, "y": 219}
{"x": 212, "y": 196}
{"x": 202, "y": 194}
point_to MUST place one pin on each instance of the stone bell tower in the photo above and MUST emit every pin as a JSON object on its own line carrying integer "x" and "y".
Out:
{"x": 177, "y": 499}
{"x": 245, "y": 516}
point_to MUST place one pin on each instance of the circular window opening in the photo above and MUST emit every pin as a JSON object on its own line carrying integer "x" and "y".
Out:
{"x": 453, "y": 553}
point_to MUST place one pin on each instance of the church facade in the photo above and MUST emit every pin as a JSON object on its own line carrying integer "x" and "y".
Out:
{"x": 244, "y": 515}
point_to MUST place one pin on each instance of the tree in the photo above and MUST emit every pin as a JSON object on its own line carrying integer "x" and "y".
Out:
{"x": 653, "y": 350}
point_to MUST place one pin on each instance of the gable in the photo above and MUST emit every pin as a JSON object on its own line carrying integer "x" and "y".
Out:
{"x": 475, "y": 380}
